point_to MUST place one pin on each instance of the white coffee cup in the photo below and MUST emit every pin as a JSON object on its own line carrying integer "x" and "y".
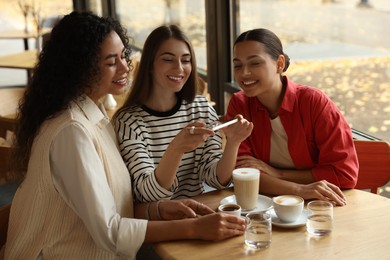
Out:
{"x": 230, "y": 208}
{"x": 246, "y": 187}
{"x": 288, "y": 208}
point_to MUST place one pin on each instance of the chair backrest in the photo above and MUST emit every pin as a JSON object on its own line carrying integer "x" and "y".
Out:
{"x": 5, "y": 155}
{"x": 374, "y": 164}
{"x": 4, "y": 217}
{"x": 6, "y": 124}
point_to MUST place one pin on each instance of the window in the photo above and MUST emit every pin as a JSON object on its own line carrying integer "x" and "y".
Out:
{"x": 340, "y": 47}
{"x": 13, "y": 21}
{"x": 141, "y": 17}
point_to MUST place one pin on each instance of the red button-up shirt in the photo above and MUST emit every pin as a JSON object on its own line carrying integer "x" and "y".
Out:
{"x": 319, "y": 138}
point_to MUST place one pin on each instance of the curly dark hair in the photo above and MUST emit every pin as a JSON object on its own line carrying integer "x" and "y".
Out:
{"x": 143, "y": 82}
{"x": 67, "y": 68}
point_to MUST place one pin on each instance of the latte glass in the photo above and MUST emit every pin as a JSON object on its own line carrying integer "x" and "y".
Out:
{"x": 246, "y": 187}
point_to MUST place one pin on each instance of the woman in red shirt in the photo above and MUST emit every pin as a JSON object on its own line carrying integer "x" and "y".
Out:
{"x": 300, "y": 139}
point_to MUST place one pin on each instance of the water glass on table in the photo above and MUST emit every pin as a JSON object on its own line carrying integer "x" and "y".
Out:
{"x": 258, "y": 231}
{"x": 320, "y": 218}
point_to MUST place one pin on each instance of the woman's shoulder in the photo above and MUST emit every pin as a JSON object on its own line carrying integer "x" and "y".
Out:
{"x": 200, "y": 99}
{"x": 313, "y": 99}
{"x": 308, "y": 93}
{"x": 129, "y": 114}
{"x": 199, "y": 102}
{"x": 201, "y": 105}
{"x": 63, "y": 120}
{"x": 302, "y": 90}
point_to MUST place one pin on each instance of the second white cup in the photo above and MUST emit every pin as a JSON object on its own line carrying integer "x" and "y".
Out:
{"x": 288, "y": 208}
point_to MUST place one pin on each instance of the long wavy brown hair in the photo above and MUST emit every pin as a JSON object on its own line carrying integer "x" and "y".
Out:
{"x": 143, "y": 81}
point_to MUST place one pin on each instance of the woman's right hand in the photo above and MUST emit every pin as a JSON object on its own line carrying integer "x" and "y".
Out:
{"x": 191, "y": 137}
{"x": 218, "y": 226}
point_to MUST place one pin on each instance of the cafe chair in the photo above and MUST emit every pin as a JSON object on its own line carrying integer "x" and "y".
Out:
{"x": 9, "y": 101}
{"x": 374, "y": 164}
{"x": 4, "y": 217}
{"x": 6, "y": 124}
{"x": 8, "y": 187}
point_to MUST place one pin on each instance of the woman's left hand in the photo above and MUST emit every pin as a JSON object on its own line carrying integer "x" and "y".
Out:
{"x": 322, "y": 190}
{"x": 185, "y": 208}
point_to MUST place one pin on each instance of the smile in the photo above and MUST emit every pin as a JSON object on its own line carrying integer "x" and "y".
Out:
{"x": 176, "y": 78}
{"x": 247, "y": 83}
{"x": 120, "y": 81}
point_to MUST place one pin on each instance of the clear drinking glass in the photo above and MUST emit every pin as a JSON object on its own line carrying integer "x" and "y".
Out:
{"x": 320, "y": 218}
{"x": 258, "y": 232}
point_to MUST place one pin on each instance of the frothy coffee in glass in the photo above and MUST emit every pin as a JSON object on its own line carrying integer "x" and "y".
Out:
{"x": 246, "y": 187}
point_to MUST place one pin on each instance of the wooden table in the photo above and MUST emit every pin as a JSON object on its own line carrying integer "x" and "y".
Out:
{"x": 361, "y": 231}
{"x": 21, "y": 60}
{"x": 24, "y": 60}
{"x": 10, "y": 97}
{"x": 21, "y": 34}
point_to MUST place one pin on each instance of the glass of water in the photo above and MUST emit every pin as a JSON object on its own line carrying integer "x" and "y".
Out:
{"x": 320, "y": 218}
{"x": 258, "y": 232}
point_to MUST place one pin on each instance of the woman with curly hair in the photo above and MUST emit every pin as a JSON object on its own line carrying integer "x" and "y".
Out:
{"x": 75, "y": 200}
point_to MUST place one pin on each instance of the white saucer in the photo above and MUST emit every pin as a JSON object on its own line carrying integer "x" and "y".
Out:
{"x": 301, "y": 221}
{"x": 263, "y": 203}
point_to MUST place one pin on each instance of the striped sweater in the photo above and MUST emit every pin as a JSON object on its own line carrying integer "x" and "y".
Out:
{"x": 144, "y": 135}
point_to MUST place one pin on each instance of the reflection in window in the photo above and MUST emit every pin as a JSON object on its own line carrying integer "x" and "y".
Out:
{"x": 144, "y": 16}
{"x": 339, "y": 47}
